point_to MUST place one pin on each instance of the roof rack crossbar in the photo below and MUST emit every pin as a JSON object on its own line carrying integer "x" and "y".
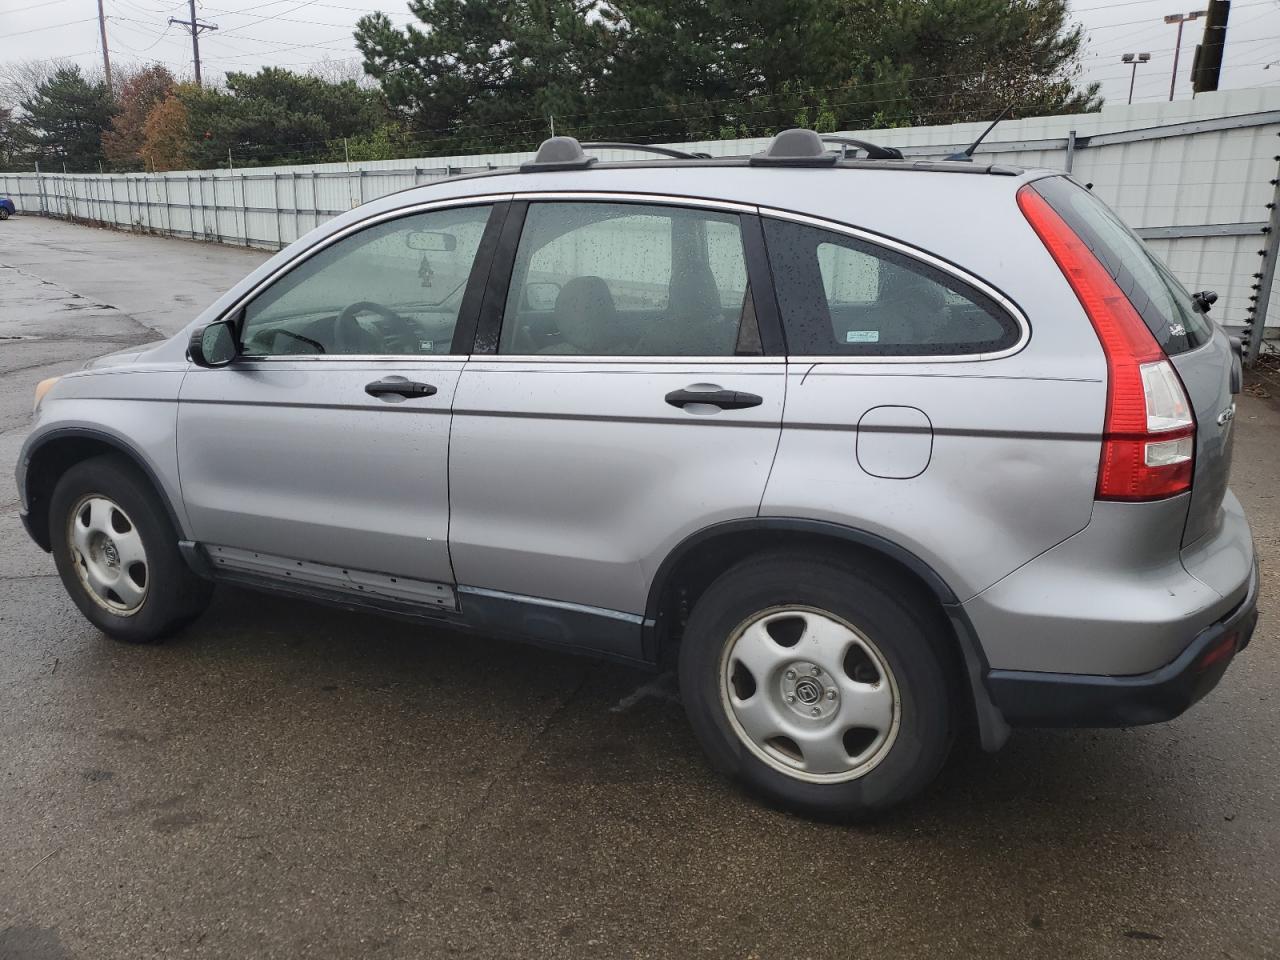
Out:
{"x": 873, "y": 151}
{"x": 645, "y": 148}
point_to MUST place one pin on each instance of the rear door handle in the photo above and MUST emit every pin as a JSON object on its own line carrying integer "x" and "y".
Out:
{"x": 724, "y": 399}
{"x": 399, "y": 387}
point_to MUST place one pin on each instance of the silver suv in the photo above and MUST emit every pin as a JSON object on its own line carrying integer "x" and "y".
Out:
{"x": 870, "y": 449}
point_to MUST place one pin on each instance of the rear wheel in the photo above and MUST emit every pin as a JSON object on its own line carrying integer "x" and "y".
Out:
{"x": 4, "y": 213}
{"x": 117, "y": 553}
{"x": 819, "y": 684}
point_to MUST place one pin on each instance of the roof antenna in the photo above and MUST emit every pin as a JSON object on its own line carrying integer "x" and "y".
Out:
{"x": 966, "y": 155}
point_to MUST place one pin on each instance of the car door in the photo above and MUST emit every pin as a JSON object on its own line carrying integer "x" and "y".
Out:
{"x": 320, "y": 455}
{"x": 626, "y": 391}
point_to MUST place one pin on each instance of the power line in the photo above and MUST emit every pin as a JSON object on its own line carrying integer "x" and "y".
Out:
{"x": 253, "y": 23}
{"x": 52, "y": 26}
{"x": 36, "y": 6}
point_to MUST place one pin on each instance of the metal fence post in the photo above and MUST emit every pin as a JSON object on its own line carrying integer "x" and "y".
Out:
{"x": 40, "y": 189}
{"x": 275, "y": 198}
{"x": 295, "y": 177}
{"x": 168, "y": 210}
{"x": 244, "y": 207}
{"x": 1260, "y": 301}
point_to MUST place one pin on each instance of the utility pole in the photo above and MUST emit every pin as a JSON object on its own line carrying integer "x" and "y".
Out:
{"x": 195, "y": 26}
{"x": 1181, "y": 20}
{"x": 106, "y": 57}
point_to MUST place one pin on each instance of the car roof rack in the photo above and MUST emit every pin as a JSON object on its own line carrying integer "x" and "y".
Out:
{"x": 566, "y": 153}
{"x": 807, "y": 148}
{"x": 668, "y": 152}
{"x": 558, "y": 153}
{"x": 873, "y": 150}
{"x": 790, "y": 148}
{"x": 795, "y": 148}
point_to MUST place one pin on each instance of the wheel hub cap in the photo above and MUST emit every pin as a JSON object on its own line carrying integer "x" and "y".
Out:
{"x": 809, "y": 694}
{"x": 108, "y": 554}
{"x": 808, "y": 691}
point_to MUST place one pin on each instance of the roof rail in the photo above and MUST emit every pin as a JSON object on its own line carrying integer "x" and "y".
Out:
{"x": 645, "y": 148}
{"x": 806, "y": 148}
{"x": 558, "y": 153}
{"x": 873, "y": 151}
{"x": 795, "y": 148}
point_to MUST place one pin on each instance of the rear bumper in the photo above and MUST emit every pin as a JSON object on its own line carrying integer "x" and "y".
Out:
{"x": 1034, "y": 699}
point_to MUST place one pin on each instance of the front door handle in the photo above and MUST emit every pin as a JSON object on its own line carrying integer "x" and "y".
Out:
{"x": 724, "y": 399}
{"x": 399, "y": 387}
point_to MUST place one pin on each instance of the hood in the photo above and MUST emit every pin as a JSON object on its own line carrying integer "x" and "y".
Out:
{"x": 122, "y": 357}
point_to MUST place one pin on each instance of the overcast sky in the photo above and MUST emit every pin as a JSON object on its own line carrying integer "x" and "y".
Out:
{"x": 300, "y": 33}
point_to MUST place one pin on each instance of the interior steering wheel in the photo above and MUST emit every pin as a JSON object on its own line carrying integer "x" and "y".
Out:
{"x": 350, "y": 337}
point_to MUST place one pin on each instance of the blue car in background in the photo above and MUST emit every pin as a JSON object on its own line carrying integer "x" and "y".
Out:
{"x": 7, "y": 209}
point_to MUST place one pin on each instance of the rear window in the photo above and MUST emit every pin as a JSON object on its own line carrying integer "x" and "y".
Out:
{"x": 1161, "y": 301}
{"x": 844, "y": 296}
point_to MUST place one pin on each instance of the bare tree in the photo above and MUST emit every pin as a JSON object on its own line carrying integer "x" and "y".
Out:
{"x": 339, "y": 71}
{"x": 20, "y": 78}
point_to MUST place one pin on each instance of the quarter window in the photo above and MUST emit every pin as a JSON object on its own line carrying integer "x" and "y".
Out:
{"x": 843, "y": 296}
{"x": 621, "y": 279}
{"x": 1160, "y": 299}
{"x": 393, "y": 288}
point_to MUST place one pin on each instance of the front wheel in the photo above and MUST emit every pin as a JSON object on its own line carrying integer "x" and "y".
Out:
{"x": 819, "y": 684}
{"x": 117, "y": 553}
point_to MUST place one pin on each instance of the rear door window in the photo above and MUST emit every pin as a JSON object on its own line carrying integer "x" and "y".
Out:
{"x": 629, "y": 280}
{"x": 844, "y": 296}
{"x": 1161, "y": 301}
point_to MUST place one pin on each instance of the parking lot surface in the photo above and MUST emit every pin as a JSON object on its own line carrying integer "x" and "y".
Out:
{"x": 284, "y": 780}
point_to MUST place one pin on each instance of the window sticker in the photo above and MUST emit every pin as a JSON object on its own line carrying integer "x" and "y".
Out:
{"x": 862, "y": 336}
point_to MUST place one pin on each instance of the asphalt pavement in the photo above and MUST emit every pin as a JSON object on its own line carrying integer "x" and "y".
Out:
{"x": 284, "y": 780}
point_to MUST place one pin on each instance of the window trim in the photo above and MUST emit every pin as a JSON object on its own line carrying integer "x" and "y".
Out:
{"x": 497, "y": 273}
{"x": 914, "y": 253}
{"x": 480, "y": 268}
{"x": 759, "y": 280}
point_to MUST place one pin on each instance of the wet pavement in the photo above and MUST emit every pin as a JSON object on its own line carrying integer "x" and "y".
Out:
{"x": 284, "y": 780}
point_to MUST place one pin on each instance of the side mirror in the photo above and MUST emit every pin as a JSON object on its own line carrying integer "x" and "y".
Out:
{"x": 541, "y": 296}
{"x": 214, "y": 345}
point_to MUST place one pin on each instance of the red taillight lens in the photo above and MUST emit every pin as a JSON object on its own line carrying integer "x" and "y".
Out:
{"x": 1149, "y": 432}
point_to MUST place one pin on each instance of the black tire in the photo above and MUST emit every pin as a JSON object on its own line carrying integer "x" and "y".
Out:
{"x": 174, "y": 596}
{"x": 890, "y": 613}
{"x": 4, "y": 213}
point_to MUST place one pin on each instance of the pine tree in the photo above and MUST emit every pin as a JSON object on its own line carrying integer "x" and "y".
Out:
{"x": 66, "y": 117}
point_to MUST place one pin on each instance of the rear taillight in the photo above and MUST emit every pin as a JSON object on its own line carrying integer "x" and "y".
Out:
{"x": 1148, "y": 436}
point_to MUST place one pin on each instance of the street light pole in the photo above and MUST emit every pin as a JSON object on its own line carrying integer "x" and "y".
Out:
{"x": 1180, "y": 19}
{"x": 1134, "y": 59}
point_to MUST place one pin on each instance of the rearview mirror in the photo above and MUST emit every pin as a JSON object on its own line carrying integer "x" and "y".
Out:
{"x": 214, "y": 345}
{"x": 430, "y": 241}
{"x": 541, "y": 296}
